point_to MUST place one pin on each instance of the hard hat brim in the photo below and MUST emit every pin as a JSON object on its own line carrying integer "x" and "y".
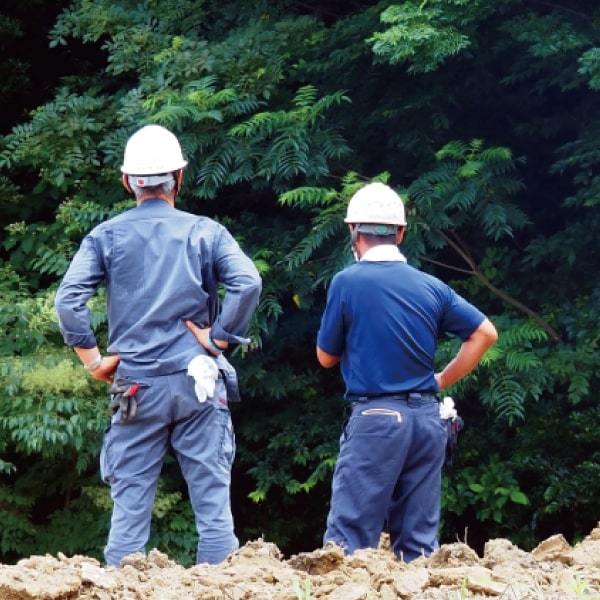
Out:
{"x": 177, "y": 167}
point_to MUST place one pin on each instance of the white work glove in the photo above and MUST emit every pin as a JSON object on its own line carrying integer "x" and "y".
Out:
{"x": 205, "y": 372}
{"x": 447, "y": 410}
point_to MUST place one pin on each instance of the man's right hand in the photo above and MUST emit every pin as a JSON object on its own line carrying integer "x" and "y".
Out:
{"x": 202, "y": 336}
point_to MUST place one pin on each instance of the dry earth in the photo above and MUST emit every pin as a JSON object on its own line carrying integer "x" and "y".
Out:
{"x": 552, "y": 571}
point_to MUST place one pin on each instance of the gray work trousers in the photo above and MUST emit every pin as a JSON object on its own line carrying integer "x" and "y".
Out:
{"x": 202, "y": 438}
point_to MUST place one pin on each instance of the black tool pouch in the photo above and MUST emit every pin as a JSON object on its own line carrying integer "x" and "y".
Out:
{"x": 454, "y": 427}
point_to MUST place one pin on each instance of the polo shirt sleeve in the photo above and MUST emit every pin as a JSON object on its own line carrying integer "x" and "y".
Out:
{"x": 461, "y": 318}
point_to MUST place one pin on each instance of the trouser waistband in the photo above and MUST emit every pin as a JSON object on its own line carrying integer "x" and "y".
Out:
{"x": 401, "y": 397}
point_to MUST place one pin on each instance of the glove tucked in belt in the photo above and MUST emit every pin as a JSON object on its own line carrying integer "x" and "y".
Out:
{"x": 206, "y": 369}
{"x": 205, "y": 372}
{"x": 122, "y": 396}
{"x": 454, "y": 424}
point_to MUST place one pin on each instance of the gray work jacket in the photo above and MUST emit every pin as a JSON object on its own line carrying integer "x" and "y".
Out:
{"x": 161, "y": 266}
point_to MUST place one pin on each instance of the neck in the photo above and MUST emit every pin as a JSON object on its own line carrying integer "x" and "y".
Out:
{"x": 170, "y": 200}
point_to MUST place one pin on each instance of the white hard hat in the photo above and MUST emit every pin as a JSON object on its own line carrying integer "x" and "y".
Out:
{"x": 376, "y": 203}
{"x": 152, "y": 150}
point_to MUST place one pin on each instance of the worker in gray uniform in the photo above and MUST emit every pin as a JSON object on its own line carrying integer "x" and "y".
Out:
{"x": 167, "y": 331}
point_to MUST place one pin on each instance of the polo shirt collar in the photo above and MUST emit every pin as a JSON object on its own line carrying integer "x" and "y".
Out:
{"x": 383, "y": 253}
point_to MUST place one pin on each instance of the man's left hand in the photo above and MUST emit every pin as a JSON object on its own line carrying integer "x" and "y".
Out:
{"x": 107, "y": 368}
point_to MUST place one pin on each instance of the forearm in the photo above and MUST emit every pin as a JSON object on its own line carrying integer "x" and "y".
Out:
{"x": 87, "y": 355}
{"x": 100, "y": 367}
{"x": 327, "y": 360}
{"x": 469, "y": 355}
{"x": 461, "y": 365}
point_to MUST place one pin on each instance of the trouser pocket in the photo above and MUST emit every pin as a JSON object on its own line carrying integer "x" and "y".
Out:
{"x": 227, "y": 436}
{"x": 388, "y": 412}
{"x": 227, "y": 452}
{"x": 106, "y": 468}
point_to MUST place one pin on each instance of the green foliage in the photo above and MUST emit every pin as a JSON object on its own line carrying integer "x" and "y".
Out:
{"x": 173, "y": 526}
{"x": 489, "y": 489}
{"x": 579, "y": 157}
{"x": 302, "y": 593}
{"x": 80, "y": 526}
{"x": 422, "y": 34}
{"x": 546, "y": 38}
{"x": 288, "y": 464}
{"x": 469, "y": 190}
{"x": 16, "y": 528}
{"x": 276, "y": 147}
{"x": 590, "y": 67}
{"x": 60, "y": 158}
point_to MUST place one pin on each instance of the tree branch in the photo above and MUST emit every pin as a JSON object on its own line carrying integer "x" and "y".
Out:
{"x": 454, "y": 242}
{"x": 559, "y": 7}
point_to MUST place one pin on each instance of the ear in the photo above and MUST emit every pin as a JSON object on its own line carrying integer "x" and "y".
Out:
{"x": 126, "y": 184}
{"x": 400, "y": 234}
{"x": 178, "y": 181}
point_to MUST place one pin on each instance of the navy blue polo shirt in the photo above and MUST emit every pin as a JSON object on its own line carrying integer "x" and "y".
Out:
{"x": 384, "y": 320}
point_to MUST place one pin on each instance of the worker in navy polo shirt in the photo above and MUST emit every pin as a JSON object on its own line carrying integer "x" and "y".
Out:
{"x": 382, "y": 321}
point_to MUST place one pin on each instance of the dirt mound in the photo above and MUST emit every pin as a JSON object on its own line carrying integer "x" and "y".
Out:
{"x": 554, "y": 570}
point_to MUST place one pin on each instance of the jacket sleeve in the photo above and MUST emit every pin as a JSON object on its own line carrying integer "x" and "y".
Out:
{"x": 84, "y": 275}
{"x": 242, "y": 283}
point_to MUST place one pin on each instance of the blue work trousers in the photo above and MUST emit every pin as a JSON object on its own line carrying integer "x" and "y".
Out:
{"x": 202, "y": 438}
{"x": 389, "y": 467}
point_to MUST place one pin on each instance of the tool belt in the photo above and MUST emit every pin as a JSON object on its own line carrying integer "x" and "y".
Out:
{"x": 400, "y": 396}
